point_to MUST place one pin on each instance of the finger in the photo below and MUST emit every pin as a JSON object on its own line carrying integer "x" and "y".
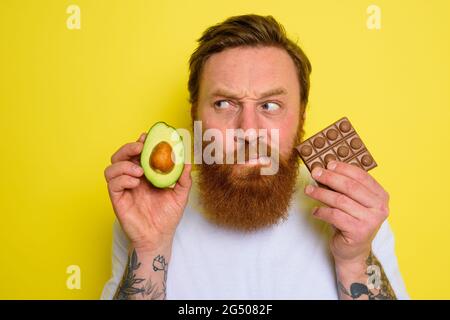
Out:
{"x": 137, "y": 159}
{"x": 120, "y": 183}
{"x": 127, "y": 152}
{"x": 142, "y": 137}
{"x": 335, "y": 217}
{"x": 336, "y": 200}
{"x": 359, "y": 175}
{"x": 185, "y": 181}
{"x": 123, "y": 168}
{"x": 348, "y": 186}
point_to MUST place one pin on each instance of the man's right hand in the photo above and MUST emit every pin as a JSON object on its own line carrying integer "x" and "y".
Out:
{"x": 148, "y": 215}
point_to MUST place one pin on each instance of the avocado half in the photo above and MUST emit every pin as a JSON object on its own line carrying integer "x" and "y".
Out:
{"x": 162, "y": 157}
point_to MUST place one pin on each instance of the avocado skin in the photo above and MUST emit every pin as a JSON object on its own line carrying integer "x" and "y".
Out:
{"x": 161, "y": 131}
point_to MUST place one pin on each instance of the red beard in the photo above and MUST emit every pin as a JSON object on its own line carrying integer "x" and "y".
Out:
{"x": 240, "y": 198}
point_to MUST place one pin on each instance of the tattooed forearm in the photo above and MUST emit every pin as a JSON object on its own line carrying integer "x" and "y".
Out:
{"x": 377, "y": 286}
{"x": 138, "y": 287}
{"x": 159, "y": 264}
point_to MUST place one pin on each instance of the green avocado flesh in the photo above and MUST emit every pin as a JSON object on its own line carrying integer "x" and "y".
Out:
{"x": 162, "y": 157}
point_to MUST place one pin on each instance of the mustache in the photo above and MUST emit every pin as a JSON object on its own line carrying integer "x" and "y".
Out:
{"x": 244, "y": 151}
{"x": 252, "y": 149}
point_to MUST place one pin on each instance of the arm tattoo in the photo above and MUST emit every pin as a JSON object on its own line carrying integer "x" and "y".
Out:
{"x": 377, "y": 287}
{"x": 132, "y": 286}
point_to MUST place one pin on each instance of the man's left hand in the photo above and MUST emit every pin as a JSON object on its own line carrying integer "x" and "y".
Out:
{"x": 356, "y": 206}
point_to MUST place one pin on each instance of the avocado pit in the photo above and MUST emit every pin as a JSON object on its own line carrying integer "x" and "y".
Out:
{"x": 161, "y": 158}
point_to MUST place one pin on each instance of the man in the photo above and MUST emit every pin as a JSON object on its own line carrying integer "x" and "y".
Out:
{"x": 229, "y": 232}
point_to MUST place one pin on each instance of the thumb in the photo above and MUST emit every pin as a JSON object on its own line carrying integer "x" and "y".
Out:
{"x": 184, "y": 183}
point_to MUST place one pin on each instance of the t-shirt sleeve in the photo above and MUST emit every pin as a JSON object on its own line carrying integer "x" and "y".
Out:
{"x": 119, "y": 260}
{"x": 383, "y": 247}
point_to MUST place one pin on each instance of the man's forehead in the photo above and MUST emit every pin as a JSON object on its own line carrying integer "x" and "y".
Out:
{"x": 252, "y": 69}
{"x": 220, "y": 90}
{"x": 257, "y": 61}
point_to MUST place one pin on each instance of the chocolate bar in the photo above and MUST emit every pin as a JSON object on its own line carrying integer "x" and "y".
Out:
{"x": 339, "y": 142}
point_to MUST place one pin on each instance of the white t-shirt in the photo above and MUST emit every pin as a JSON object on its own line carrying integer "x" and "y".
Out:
{"x": 290, "y": 260}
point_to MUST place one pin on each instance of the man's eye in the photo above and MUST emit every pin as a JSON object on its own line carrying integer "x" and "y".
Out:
{"x": 222, "y": 104}
{"x": 270, "y": 106}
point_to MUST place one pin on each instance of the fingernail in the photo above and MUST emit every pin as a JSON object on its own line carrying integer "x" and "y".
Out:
{"x": 317, "y": 172}
{"x": 309, "y": 189}
{"x": 331, "y": 165}
{"x": 137, "y": 169}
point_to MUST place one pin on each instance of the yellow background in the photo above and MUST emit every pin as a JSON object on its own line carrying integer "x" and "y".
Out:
{"x": 70, "y": 98}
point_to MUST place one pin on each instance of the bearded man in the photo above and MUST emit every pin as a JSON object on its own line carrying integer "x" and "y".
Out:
{"x": 227, "y": 231}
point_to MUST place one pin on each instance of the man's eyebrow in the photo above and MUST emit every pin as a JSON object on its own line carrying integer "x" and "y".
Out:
{"x": 228, "y": 94}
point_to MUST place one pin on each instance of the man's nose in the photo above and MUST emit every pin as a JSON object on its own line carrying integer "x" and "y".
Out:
{"x": 248, "y": 118}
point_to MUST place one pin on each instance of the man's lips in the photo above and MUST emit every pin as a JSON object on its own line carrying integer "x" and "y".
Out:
{"x": 254, "y": 160}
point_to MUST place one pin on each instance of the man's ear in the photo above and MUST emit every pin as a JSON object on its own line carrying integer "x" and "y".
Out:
{"x": 194, "y": 111}
{"x": 302, "y": 116}
{"x": 303, "y": 111}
